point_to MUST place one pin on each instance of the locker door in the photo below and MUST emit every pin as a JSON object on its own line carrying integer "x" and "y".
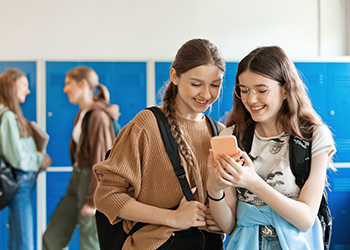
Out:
{"x": 339, "y": 105}
{"x": 57, "y": 183}
{"x": 129, "y": 89}
{"x": 162, "y": 76}
{"x": 313, "y": 75}
{"x": 29, "y": 111}
{"x": 339, "y": 203}
{"x": 59, "y": 112}
{"x": 227, "y": 89}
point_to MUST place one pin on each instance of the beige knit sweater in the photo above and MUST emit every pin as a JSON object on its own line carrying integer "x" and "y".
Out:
{"x": 139, "y": 168}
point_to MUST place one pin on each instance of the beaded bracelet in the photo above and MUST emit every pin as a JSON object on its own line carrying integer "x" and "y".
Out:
{"x": 223, "y": 196}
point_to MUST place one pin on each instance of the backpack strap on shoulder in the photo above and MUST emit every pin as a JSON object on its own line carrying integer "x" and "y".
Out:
{"x": 214, "y": 126}
{"x": 247, "y": 139}
{"x": 173, "y": 151}
{"x": 300, "y": 158}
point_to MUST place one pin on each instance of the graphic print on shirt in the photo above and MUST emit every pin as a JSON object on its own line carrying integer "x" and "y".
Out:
{"x": 268, "y": 167}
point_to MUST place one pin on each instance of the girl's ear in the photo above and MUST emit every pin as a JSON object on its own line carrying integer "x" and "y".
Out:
{"x": 284, "y": 92}
{"x": 82, "y": 83}
{"x": 173, "y": 76}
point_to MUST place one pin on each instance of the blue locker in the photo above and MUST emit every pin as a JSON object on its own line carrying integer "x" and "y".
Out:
{"x": 4, "y": 228}
{"x": 162, "y": 71}
{"x": 60, "y": 113}
{"x": 338, "y": 107}
{"x": 339, "y": 203}
{"x": 226, "y": 98}
{"x": 126, "y": 82}
{"x": 29, "y": 111}
{"x": 314, "y": 76}
{"x": 57, "y": 183}
{"x": 129, "y": 89}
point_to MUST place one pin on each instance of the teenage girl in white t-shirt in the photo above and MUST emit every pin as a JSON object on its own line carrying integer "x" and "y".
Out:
{"x": 271, "y": 211}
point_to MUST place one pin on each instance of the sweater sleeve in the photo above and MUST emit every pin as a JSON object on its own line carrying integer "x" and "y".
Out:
{"x": 21, "y": 153}
{"x": 100, "y": 141}
{"x": 120, "y": 175}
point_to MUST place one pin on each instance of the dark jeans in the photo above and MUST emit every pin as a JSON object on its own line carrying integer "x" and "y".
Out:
{"x": 194, "y": 239}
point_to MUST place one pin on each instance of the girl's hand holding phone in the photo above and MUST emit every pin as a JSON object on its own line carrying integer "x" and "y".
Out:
{"x": 226, "y": 144}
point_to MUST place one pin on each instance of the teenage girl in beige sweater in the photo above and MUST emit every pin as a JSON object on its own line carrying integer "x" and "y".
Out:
{"x": 137, "y": 182}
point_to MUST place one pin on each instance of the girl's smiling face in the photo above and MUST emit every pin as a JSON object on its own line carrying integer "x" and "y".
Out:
{"x": 263, "y": 110}
{"x": 22, "y": 87}
{"x": 73, "y": 89}
{"x": 198, "y": 88}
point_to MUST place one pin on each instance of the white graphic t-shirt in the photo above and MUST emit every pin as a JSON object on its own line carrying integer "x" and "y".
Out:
{"x": 270, "y": 156}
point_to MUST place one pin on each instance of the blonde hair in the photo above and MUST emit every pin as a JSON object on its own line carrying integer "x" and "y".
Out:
{"x": 82, "y": 72}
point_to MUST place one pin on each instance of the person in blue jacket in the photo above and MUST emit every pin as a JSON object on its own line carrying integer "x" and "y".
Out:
{"x": 255, "y": 197}
{"x": 18, "y": 148}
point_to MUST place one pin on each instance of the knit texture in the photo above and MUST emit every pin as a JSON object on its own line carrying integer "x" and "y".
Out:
{"x": 139, "y": 168}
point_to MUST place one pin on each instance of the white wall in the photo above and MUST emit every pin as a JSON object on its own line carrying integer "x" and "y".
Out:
{"x": 155, "y": 29}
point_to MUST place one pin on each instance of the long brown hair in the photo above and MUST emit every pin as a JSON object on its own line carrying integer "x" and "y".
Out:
{"x": 82, "y": 72}
{"x": 296, "y": 116}
{"x": 193, "y": 53}
{"x": 8, "y": 97}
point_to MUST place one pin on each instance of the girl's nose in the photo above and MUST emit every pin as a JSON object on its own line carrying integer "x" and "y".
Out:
{"x": 206, "y": 93}
{"x": 252, "y": 96}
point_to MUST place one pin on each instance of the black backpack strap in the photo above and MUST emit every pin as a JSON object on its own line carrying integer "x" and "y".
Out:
{"x": 300, "y": 158}
{"x": 213, "y": 125}
{"x": 247, "y": 139}
{"x": 173, "y": 151}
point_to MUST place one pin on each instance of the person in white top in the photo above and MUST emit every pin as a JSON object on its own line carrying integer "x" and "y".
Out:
{"x": 270, "y": 96}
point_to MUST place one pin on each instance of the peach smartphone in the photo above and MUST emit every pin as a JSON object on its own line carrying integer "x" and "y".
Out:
{"x": 226, "y": 144}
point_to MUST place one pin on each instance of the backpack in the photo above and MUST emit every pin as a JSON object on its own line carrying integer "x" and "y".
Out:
{"x": 113, "y": 236}
{"x": 9, "y": 183}
{"x": 300, "y": 163}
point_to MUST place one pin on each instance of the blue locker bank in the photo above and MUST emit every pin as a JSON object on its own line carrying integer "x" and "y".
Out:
{"x": 328, "y": 84}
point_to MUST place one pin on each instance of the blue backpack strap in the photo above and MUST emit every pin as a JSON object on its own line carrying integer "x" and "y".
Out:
{"x": 173, "y": 151}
